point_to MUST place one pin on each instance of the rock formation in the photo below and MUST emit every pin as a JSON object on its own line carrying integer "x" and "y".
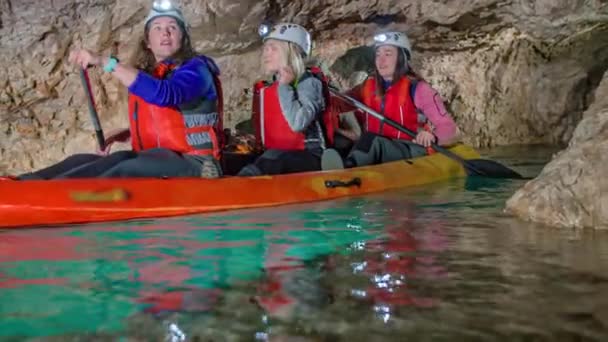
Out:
{"x": 572, "y": 190}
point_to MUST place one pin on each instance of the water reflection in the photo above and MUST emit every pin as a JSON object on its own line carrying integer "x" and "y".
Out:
{"x": 440, "y": 262}
{"x": 107, "y": 274}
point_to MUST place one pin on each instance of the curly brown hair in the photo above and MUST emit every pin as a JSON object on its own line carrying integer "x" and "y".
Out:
{"x": 143, "y": 58}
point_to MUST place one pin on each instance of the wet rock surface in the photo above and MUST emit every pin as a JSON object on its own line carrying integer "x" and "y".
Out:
{"x": 572, "y": 190}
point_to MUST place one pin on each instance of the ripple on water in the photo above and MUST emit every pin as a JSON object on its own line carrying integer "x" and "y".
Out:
{"x": 440, "y": 262}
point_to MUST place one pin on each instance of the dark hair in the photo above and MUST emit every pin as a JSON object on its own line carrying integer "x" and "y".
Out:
{"x": 143, "y": 57}
{"x": 402, "y": 69}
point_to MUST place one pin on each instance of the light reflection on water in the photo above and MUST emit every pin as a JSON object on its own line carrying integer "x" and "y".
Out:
{"x": 431, "y": 263}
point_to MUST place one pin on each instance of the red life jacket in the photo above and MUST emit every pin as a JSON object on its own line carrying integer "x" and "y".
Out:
{"x": 195, "y": 130}
{"x": 397, "y": 104}
{"x": 273, "y": 131}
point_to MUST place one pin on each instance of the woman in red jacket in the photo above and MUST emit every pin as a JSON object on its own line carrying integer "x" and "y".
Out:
{"x": 398, "y": 93}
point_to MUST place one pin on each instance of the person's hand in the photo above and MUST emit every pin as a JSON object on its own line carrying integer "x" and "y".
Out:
{"x": 286, "y": 75}
{"x": 118, "y": 135}
{"x": 425, "y": 138}
{"x": 105, "y": 151}
{"x": 84, "y": 58}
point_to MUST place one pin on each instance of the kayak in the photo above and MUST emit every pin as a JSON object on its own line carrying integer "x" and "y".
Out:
{"x": 35, "y": 203}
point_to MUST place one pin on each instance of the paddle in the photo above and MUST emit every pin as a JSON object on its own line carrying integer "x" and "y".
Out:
{"x": 477, "y": 167}
{"x": 84, "y": 77}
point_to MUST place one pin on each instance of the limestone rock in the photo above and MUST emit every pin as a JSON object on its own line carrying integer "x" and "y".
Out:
{"x": 572, "y": 190}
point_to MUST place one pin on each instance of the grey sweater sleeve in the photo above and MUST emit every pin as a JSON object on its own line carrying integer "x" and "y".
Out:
{"x": 302, "y": 105}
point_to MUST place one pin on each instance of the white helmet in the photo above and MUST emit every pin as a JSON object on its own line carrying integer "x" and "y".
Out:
{"x": 288, "y": 32}
{"x": 394, "y": 38}
{"x": 164, "y": 8}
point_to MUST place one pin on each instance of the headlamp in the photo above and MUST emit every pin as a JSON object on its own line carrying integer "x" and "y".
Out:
{"x": 263, "y": 30}
{"x": 162, "y": 5}
{"x": 381, "y": 38}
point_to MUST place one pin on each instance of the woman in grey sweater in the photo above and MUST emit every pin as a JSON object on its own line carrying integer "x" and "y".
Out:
{"x": 288, "y": 112}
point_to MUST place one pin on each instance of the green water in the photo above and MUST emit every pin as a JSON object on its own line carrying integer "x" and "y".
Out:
{"x": 439, "y": 262}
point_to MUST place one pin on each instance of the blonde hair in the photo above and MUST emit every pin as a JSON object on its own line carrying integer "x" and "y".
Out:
{"x": 295, "y": 60}
{"x": 293, "y": 57}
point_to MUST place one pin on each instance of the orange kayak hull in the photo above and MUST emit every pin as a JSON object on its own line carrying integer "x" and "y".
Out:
{"x": 59, "y": 202}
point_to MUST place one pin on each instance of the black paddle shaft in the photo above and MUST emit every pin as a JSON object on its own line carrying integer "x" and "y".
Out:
{"x": 84, "y": 77}
{"x": 481, "y": 167}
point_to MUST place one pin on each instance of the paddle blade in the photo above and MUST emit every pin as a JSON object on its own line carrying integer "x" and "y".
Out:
{"x": 490, "y": 168}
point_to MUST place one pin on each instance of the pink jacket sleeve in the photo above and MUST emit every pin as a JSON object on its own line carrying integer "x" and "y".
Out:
{"x": 430, "y": 103}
